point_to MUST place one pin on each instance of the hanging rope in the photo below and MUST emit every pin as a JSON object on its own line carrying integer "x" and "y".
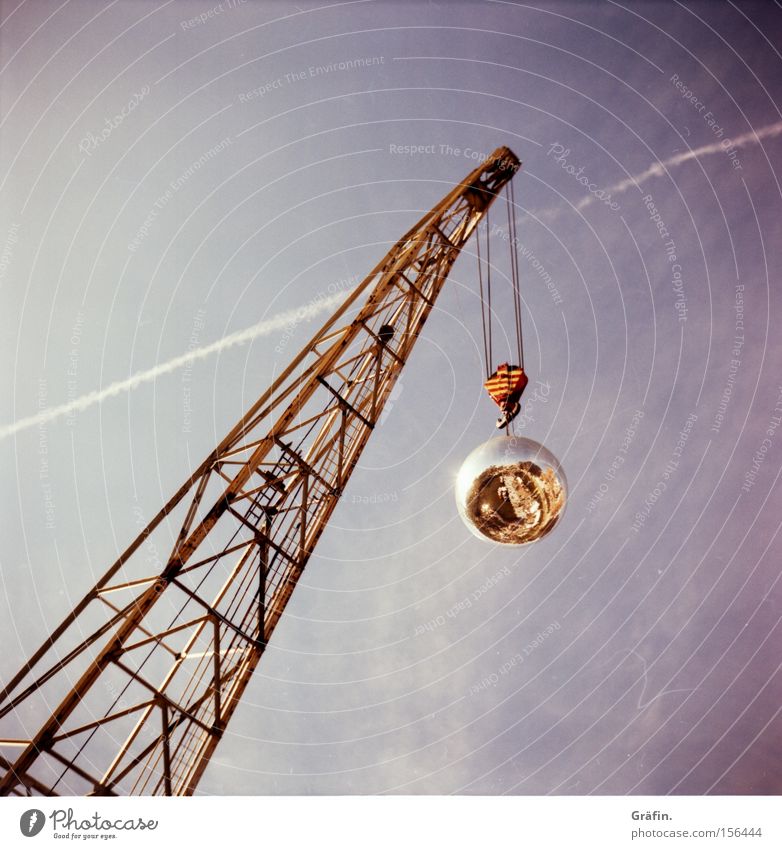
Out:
{"x": 505, "y": 380}
{"x": 485, "y": 285}
{"x": 510, "y": 203}
{"x": 486, "y": 353}
{"x": 485, "y": 290}
{"x": 488, "y": 291}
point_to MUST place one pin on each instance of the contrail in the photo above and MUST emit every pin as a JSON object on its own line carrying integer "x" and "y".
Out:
{"x": 263, "y": 328}
{"x": 658, "y": 169}
{"x": 283, "y": 320}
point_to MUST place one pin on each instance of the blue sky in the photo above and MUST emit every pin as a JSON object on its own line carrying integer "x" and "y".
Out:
{"x": 174, "y": 173}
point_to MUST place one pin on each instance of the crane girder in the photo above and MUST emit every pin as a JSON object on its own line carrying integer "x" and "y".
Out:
{"x": 153, "y": 661}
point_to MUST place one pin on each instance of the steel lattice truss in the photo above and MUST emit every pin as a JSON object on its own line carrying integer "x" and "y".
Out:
{"x": 172, "y": 643}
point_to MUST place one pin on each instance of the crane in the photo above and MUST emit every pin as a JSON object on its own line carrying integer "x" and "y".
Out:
{"x": 154, "y": 659}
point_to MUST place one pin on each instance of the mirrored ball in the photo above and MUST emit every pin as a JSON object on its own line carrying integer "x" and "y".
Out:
{"x": 511, "y": 490}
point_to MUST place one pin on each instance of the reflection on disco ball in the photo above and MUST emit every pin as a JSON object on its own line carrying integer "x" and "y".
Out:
{"x": 511, "y": 490}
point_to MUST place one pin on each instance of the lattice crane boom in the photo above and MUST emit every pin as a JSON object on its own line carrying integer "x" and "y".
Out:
{"x": 172, "y": 643}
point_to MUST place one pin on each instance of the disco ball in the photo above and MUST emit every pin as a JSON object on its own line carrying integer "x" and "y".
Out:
{"x": 511, "y": 490}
